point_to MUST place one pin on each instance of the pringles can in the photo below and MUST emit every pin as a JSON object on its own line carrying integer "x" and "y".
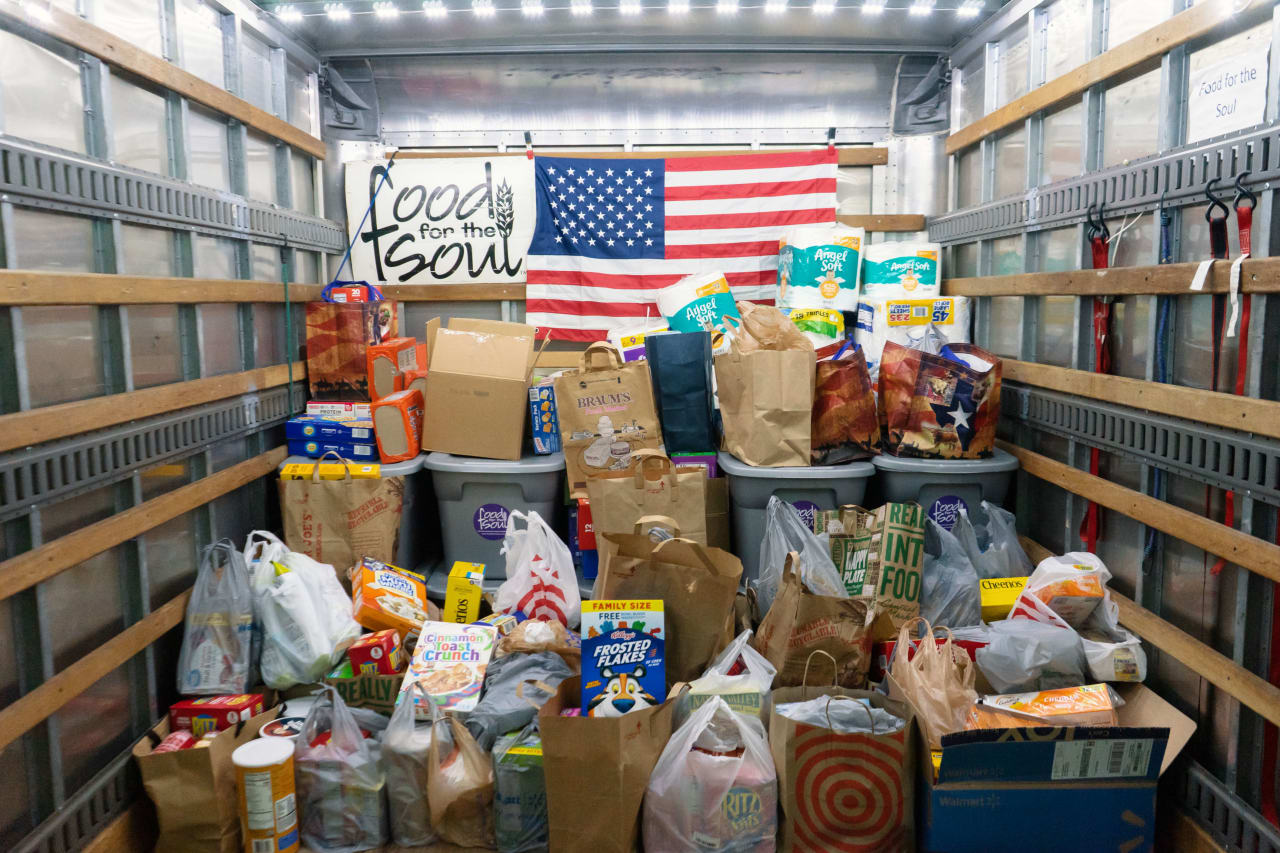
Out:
{"x": 268, "y": 802}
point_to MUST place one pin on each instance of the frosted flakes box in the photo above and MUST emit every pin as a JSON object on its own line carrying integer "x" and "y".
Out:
{"x": 623, "y": 660}
{"x": 449, "y": 662}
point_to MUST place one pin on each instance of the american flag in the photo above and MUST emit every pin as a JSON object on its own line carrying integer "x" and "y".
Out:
{"x": 611, "y": 232}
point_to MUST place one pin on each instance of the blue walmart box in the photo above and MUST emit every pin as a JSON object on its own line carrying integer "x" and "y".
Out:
{"x": 315, "y": 428}
{"x": 315, "y": 448}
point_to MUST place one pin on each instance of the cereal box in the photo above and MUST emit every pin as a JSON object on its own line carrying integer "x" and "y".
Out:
{"x": 542, "y": 418}
{"x": 623, "y": 662}
{"x": 998, "y": 596}
{"x": 384, "y": 597}
{"x": 505, "y": 623}
{"x": 463, "y": 591}
{"x": 449, "y": 662}
{"x": 378, "y": 652}
{"x": 213, "y": 713}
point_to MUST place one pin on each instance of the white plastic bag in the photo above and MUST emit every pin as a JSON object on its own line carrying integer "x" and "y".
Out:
{"x": 785, "y": 532}
{"x": 949, "y": 592}
{"x": 295, "y": 647}
{"x": 332, "y": 603}
{"x": 843, "y": 715}
{"x": 1113, "y": 654}
{"x": 541, "y": 581}
{"x": 714, "y": 752}
{"x": 405, "y": 753}
{"x": 1025, "y": 655}
{"x": 1072, "y": 586}
{"x": 740, "y": 675}
{"x": 340, "y": 781}
{"x": 261, "y": 549}
{"x": 217, "y": 639}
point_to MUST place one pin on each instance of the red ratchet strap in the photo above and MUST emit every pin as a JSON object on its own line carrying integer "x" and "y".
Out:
{"x": 1099, "y": 239}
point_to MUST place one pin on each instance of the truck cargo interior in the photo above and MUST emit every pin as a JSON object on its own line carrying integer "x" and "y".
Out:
{"x": 350, "y": 347}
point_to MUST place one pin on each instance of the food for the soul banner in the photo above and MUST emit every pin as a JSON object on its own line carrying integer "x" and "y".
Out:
{"x": 442, "y": 220}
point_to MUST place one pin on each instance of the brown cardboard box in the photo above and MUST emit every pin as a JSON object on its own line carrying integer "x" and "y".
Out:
{"x": 477, "y": 387}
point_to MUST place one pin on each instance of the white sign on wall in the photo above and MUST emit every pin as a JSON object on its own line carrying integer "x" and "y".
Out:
{"x": 1228, "y": 96}
{"x": 442, "y": 221}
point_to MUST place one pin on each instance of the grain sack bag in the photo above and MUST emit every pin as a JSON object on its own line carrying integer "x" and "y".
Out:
{"x": 700, "y": 303}
{"x": 819, "y": 266}
{"x": 921, "y": 323}
{"x": 217, "y": 636}
{"x": 339, "y": 335}
{"x": 846, "y": 425}
{"x": 680, "y": 365}
{"x": 845, "y": 762}
{"x": 653, "y": 486}
{"x": 765, "y": 385}
{"x": 606, "y": 413}
{"x": 942, "y": 406}
{"x": 908, "y": 268}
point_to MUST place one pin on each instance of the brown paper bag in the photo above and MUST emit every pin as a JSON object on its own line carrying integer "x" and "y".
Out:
{"x": 937, "y": 681}
{"x": 597, "y": 769}
{"x": 339, "y": 521}
{"x": 847, "y": 792}
{"x": 606, "y": 413}
{"x": 765, "y": 386}
{"x": 800, "y": 623}
{"x": 194, "y": 790}
{"x": 653, "y": 486}
{"x": 696, "y": 584}
{"x": 718, "y": 507}
{"x": 459, "y": 784}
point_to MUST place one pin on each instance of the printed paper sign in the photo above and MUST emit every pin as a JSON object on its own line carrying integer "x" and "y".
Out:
{"x": 1228, "y": 96}
{"x": 442, "y": 221}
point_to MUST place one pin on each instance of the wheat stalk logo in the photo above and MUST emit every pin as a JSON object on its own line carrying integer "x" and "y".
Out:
{"x": 505, "y": 219}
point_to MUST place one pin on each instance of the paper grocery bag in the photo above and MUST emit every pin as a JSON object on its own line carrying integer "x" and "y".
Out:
{"x": 340, "y": 521}
{"x": 696, "y": 584}
{"x": 606, "y": 413}
{"x": 939, "y": 407}
{"x": 597, "y": 769}
{"x": 680, "y": 364}
{"x": 843, "y": 792}
{"x": 194, "y": 790}
{"x": 718, "y": 508}
{"x": 800, "y": 623}
{"x": 653, "y": 486}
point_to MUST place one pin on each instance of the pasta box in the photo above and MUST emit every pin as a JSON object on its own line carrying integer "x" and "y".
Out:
{"x": 315, "y": 448}
{"x": 542, "y": 417}
{"x": 318, "y": 427}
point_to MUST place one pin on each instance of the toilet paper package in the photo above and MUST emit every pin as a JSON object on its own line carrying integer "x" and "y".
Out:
{"x": 697, "y": 303}
{"x": 911, "y": 269}
{"x": 819, "y": 267}
{"x": 919, "y": 323}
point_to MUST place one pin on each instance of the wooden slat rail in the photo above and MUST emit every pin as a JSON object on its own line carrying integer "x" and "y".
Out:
{"x": 39, "y": 564}
{"x": 22, "y": 429}
{"x": 30, "y": 287}
{"x": 1261, "y": 417}
{"x": 847, "y": 155}
{"x": 79, "y": 33}
{"x": 1249, "y": 552}
{"x": 1136, "y": 53}
{"x": 35, "y": 707}
{"x": 1257, "y": 275}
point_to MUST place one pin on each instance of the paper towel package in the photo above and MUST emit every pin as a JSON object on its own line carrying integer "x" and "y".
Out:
{"x": 699, "y": 302}
{"x": 819, "y": 266}
{"x": 910, "y": 268}
{"x": 907, "y": 321}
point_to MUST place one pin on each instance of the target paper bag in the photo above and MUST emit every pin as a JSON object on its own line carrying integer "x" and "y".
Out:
{"x": 938, "y": 406}
{"x": 843, "y": 792}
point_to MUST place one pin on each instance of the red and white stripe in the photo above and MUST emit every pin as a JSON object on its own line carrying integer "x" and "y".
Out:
{"x": 724, "y": 214}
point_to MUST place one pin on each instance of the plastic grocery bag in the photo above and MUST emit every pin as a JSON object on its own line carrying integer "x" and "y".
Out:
{"x": 405, "y": 754}
{"x": 740, "y": 675}
{"x": 949, "y": 592}
{"x": 459, "y": 784}
{"x": 786, "y": 532}
{"x": 1071, "y": 586}
{"x": 714, "y": 767}
{"x": 296, "y": 647}
{"x": 842, "y": 714}
{"x": 1023, "y": 655}
{"x": 217, "y": 639}
{"x": 1111, "y": 652}
{"x": 937, "y": 680}
{"x": 993, "y": 548}
{"x": 508, "y": 702}
{"x": 520, "y": 792}
{"x": 540, "y": 579}
{"x": 340, "y": 780}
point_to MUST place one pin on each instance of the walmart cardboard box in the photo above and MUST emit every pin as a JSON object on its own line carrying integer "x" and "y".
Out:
{"x": 1054, "y": 790}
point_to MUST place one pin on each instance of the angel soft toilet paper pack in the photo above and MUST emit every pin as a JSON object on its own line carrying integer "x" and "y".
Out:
{"x": 908, "y": 268}
{"x": 819, "y": 266}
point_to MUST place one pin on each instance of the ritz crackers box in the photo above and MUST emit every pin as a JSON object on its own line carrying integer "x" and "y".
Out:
{"x": 213, "y": 713}
{"x": 623, "y": 660}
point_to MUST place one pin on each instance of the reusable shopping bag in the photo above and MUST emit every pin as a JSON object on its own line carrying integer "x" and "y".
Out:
{"x": 520, "y": 792}
{"x": 338, "y": 337}
{"x": 341, "y": 521}
{"x": 217, "y": 638}
{"x": 406, "y": 756}
{"x": 680, "y": 365}
{"x": 937, "y": 680}
{"x": 940, "y": 405}
{"x": 606, "y": 413}
{"x": 341, "y": 782}
{"x": 696, "y": 584}
{"x": 846, "y": 425}
{"x": 652, "y": 486}
{"x": 765, "y": 387}
{"x": 714, "y": 787}
{"x": 459, "y": 783}
{"x": 541, "y": 582}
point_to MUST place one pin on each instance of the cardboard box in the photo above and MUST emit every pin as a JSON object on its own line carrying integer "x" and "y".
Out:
{"x": 331, "y": 470}
{"x": 477, "y": 387}
{"x": 544, "y": 424}
{"x": 214, "y": 713}
{"x": 1054, "y": 790}
{"x": 344, "y": 411}
{"x": 388, "y": 362}
{"x": 337, "y": 430}
{"x": 397, "y": 419}
{"x": 375, "y": 691}
{"x": 623, "y": 656}
{"x": 449, "y": 662}
{"x": 376, "y": 653}
{"x": 315, "y": 448}
{"x": 998, "y": 596}
{"x": 463, "y": 591}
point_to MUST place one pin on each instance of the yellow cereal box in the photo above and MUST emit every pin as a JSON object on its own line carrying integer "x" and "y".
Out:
{"x": 463, "y": 593}
{"x": 998, "y": 596}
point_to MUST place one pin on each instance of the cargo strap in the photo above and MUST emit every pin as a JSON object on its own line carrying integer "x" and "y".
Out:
{"x": 1099, "y": 237}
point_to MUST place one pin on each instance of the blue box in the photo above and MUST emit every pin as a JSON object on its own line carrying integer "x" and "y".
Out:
{"x": 623, "y": 656}
{"x": 315, "y": 448}
{"x": 316, "y": 428}
{"x": 543, "y": 420}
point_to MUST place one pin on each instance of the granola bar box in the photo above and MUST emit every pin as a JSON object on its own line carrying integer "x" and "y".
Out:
{"x": 449, "y": 662}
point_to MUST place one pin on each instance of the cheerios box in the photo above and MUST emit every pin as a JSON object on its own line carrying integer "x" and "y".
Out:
{"x": 449, "y": 662}
{"x": 623, "y": 656}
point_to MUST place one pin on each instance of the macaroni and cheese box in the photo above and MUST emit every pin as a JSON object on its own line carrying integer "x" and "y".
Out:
{"x": 331, "y": 470}
{"x": 998, "y": 596}
{"x": 623, "y": 661}
{"x": 378, "y": 652}
{"x": 383, "y": 597}
{"x": 214, "y": 713}
{"x": 449, "y": 662}
{"x": 542, "y": 417}
{"x": 315, "y": 448}
{"x": 463, "y": 591}
{"x": 345, "y": 411}
{"x": 338, "y": 430}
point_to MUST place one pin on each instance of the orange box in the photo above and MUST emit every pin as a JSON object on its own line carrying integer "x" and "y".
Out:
{"x": 388, "y": 361}
{"x": 1072, "y": 598}
{"x": 214, "y": 713}
{"x": 1088, "y": 705}
{"x": 383, "y": 597}
{"x": 376, "y": 654}
{"x": 397, "y": 425}
{"x": 416, "y": 380}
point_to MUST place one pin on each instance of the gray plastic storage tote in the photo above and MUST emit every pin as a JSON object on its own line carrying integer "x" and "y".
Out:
{"x": 945, "y": 486}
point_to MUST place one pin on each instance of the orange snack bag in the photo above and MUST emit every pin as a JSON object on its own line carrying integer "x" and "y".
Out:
{"x": 397, "y": 425}
{"x": 387, "y": 363}
{"x": 1088, "y": 705}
